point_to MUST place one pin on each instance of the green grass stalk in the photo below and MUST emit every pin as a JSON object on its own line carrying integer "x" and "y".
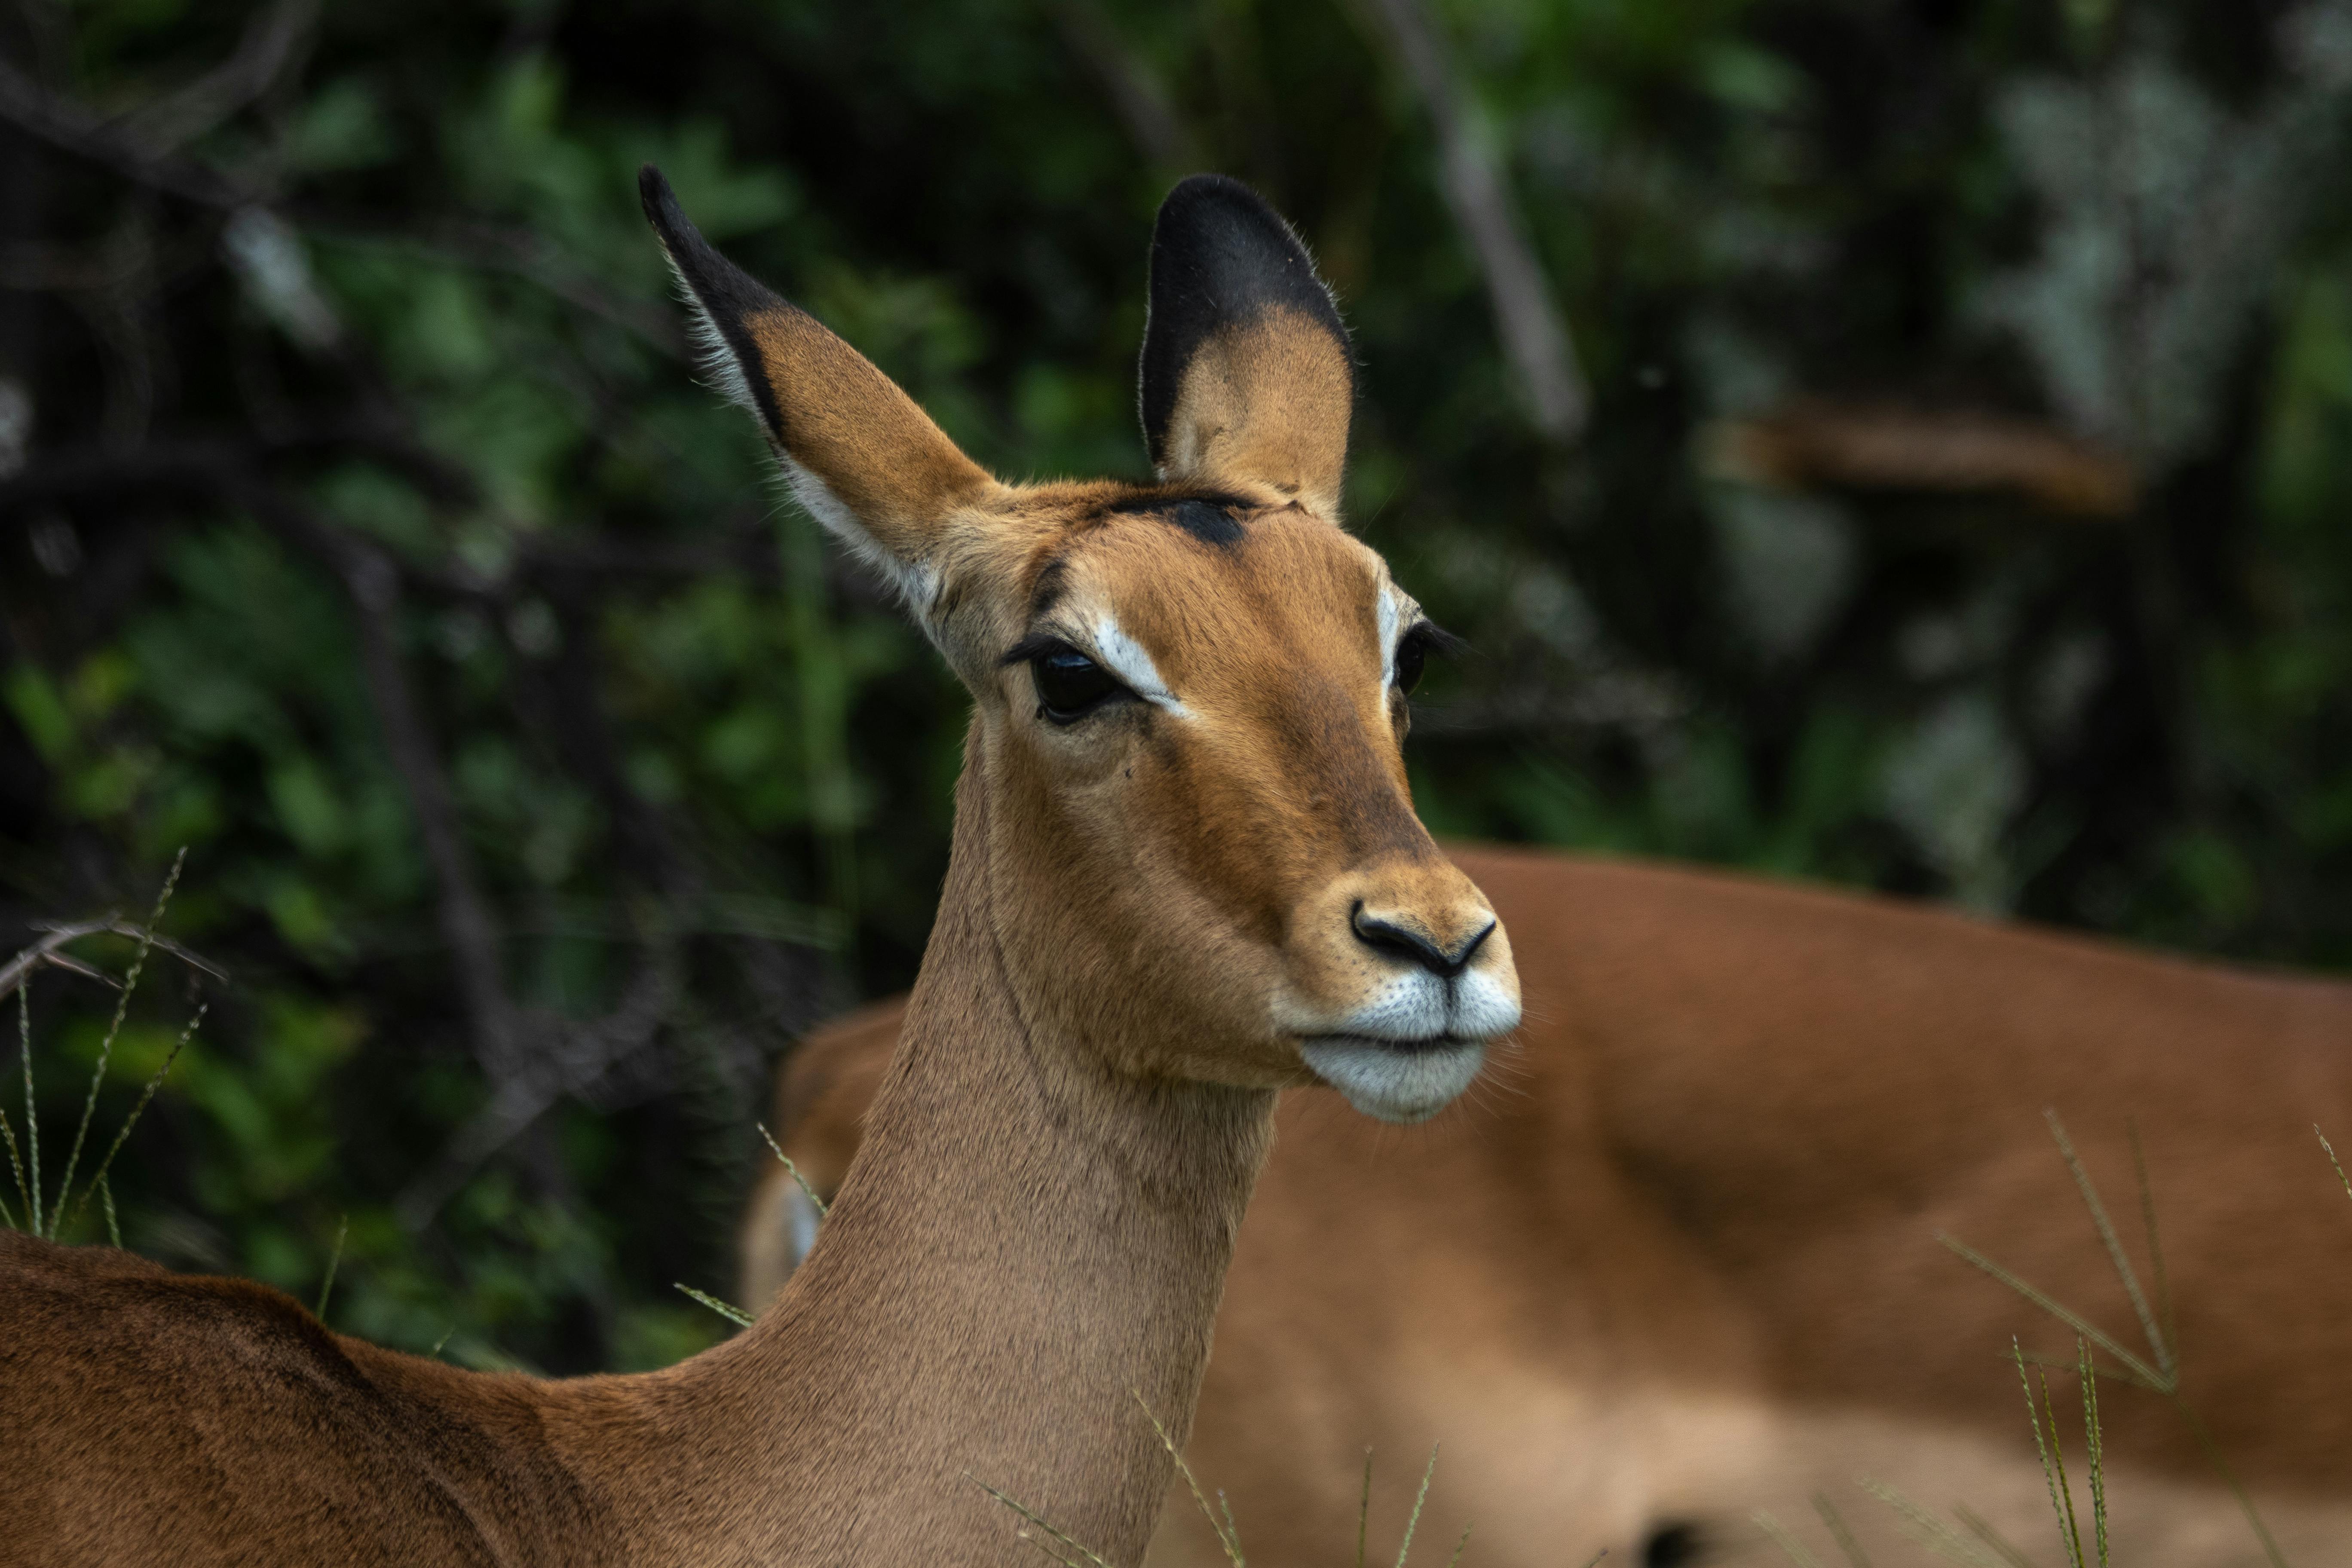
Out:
{"x": 1412, "y": 1520}
{"x": 733, "y": 1314}
{"x": 823, "y": 1209}
{"x": 334, "y": 1261}
{"x": 32, "y": 1110}
{"x": 146, "y": 1094}
{"x": 113, "y": 1029}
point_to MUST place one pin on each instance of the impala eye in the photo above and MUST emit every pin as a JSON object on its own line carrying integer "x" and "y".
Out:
{"x": 1413, "y": 656}
{"x": 1070, "y": 685}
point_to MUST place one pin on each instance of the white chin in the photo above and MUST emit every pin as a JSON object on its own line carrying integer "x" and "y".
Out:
{"x": 1393, "y": 1082}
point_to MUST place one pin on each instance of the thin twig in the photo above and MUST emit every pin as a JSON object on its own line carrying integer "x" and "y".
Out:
{"x": 1535, "y": 340}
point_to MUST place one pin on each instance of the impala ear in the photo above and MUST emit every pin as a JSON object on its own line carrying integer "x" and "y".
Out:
{"x": 1247, "y": 376}
{"x": 859, "y": 454}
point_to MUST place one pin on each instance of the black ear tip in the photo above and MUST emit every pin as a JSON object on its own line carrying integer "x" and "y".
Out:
{"x": 1205, "y": 198}
{"x": 661, "y": 205}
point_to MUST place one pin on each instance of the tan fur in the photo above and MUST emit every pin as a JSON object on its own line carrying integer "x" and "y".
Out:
{"x": 1145, "y": 929}
{"x": 853, "y": 429}
{"x": 1267, "y": 402}
{"x": 1679, "y": 1262}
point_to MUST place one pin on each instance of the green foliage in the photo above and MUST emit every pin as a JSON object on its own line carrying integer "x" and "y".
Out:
{"x": 697, "y": 770}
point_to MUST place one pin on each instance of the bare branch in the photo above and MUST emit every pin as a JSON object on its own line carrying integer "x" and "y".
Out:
{"x": 71, "y": 127}
{"x": 1956, "y": 451}
{"x": 48, "y": 952}
{"x": 467, "y": 924}
{"x": 1135, "y": 94}
{"x": 272, "y": 40}
{"x": 1534, "y": 338}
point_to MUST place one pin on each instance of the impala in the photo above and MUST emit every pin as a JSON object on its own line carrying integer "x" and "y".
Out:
{"x": 1681, "y": 1264}
{"x": 1186, "y": 874}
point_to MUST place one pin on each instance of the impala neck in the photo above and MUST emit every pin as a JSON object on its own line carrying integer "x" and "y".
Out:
{"x": 1027, "y": 1255}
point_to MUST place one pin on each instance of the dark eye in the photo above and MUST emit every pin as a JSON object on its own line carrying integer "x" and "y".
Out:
{"x": 1070, "y": 685}
{"x": 1412, "y": 657}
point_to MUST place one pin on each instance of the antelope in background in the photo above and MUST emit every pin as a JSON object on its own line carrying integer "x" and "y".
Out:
{"x": 1186, "y": 874}
{"x": 1680, "y": 1265}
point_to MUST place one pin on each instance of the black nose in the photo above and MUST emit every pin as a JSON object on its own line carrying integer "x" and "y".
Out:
{"x": 1403, "y": 942}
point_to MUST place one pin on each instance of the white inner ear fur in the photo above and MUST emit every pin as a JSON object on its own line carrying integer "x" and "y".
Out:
{"x": 713, "y": 358}
{"x": 916, "y": 582}
{"x": 1125, "y": 658}
{"x": 723, "y": 373}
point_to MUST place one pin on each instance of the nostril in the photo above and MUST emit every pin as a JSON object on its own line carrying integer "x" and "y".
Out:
{"x": 1402, "y": 942}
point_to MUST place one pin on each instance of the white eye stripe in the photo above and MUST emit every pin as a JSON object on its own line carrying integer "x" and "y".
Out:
{"x": 1127, "y": 658}
{"x": 1399, "y": 614}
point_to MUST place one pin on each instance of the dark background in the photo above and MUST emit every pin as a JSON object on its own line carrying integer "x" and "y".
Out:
{"x": 1898, "y": 444}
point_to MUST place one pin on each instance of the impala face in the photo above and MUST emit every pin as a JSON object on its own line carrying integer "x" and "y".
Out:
{"x": 1190, "y": 696}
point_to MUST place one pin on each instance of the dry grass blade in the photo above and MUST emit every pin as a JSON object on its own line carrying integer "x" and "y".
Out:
{"x": 1838, "y": 1532}
{"x": 2111, "y": 1241}
{"x": 17, "y": 1164}
{"x": 1781, "y": 1536}
{"x": 334, "y": 1261}
{"x": 114, "y": 1030}
{"x": 2117, "y": 1373}
{"x": 793, "y": 1171}
{"x": 733, "y": 1314}
{"x": 1228, "y": 1537}
{"x": 2042, "y": 1447}
{"x": 2096, "y": 1450}
{"x": 2157, "y": 1278}
{"x": 113, "y": 1225}
{"x": 1930, "y": 1532}
{"x": 1981, "y": 1527}
{"x": 1084, "y": 1555}
{"x": 1364, "y": 1509}
{"x": 2070, "y": 1528}
{"x": 1413, "y": 1521}
{"x": 32, "y": 1110}
{"x": 2064, "y": 1314}
{"x": 154, "y": 1082}
{"x": 2333, "y": 1160}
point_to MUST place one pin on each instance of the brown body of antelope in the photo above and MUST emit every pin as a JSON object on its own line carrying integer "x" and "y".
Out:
{"x": 1186, "y": 873}
{"x": 1680, "y": 1264}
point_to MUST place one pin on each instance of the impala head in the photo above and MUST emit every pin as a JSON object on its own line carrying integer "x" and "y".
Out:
{"x": 1191, "y": 696}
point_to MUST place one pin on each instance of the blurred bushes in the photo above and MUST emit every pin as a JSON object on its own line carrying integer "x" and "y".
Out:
{"x": 543, "y": 776}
